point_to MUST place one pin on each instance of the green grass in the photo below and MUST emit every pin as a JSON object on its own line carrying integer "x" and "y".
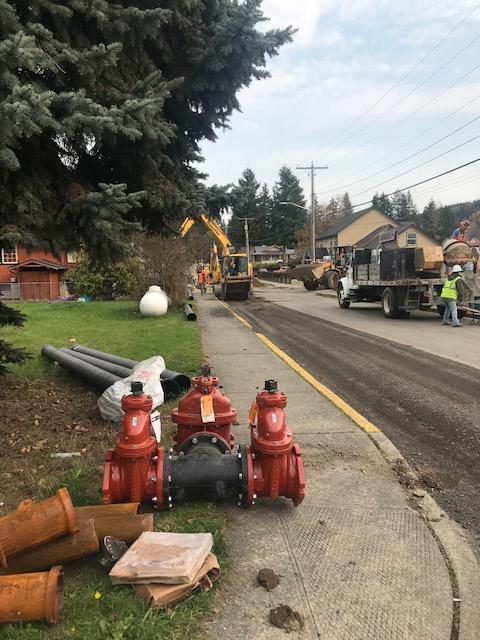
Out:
{"x": 116, "y": 327}
{"x": 119, "y": 614}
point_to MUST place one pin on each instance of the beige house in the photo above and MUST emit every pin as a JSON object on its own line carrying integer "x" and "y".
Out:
{"x": 364, "y": 228}
{"x": 404, "y": 235}
{"x": 352, "y": 228}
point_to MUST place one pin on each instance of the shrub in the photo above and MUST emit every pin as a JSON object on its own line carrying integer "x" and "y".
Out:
{"x": 104, "y": 282}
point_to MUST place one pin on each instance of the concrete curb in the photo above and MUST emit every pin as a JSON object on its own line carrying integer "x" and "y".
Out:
{"x": 451, "y": 540}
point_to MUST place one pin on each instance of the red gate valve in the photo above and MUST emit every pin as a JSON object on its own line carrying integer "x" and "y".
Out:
{"x": 133, "y": 470}
{"x": 274, "y": 461}
{"x": 206, "y": 413}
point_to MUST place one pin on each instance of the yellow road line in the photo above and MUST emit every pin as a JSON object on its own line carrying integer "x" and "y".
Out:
{"x": 239, "y": 318}
{"x": 349, "y": 411}
{"x": 359, "y": 420}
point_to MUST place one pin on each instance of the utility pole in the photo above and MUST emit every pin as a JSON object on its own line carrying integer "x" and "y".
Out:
{"x": 312, "y": 168}
{"x": 247, "y": 241}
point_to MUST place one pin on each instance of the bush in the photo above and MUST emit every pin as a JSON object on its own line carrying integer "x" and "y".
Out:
{"x": 104, "y": 282}
{"x": 166, "y": 262}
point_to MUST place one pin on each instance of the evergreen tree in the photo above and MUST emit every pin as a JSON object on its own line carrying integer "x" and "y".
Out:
{"x": 245, "y": 201}
{"x": 446, "y": 223}
{"x": 8, "y": 353}
{"x": 346, "y": 204}
{"x": 260, "y": 225}
{"x": 333, "y": 210}
{"x": 286, "y": 219}
{"x": 429, "y": 218}
{"x": 382, "y": 203}
{"x": 100, "y": 94}
{"x": 218, "y": 199}
{"x": 403, "y": 208}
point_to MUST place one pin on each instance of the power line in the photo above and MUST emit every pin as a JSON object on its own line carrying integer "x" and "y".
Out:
{"x": 439, "y": 175}
{"x": 422, "y": 164}
{"x": 404, "y": 144}
{"x": 417, "y": 110}
{"x": 413, "y": 155}
{"x": 404, "y": 77}
{"x": 449, "y": 185}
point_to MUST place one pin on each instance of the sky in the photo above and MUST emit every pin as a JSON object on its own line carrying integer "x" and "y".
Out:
{"x": 346, "y": 55}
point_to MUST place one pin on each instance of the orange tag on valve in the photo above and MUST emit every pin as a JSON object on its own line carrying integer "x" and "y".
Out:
{"x": 252, "y": 414}
{"x": 206, "y": 408}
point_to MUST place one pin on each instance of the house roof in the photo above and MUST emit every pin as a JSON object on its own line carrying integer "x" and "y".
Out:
{"x": 264, "y": 248}
{"x": 371, "y": 240}
{"x": 39, "y": 263}
{"x": 341, "y": 224}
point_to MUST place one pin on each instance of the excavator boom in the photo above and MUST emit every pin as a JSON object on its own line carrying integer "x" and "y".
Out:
{"x": 232, "y": 276}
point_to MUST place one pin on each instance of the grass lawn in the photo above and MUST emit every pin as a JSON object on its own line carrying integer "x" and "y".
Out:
{"x": 116, "y": 327}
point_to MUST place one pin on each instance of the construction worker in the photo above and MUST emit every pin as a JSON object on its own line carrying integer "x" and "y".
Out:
{"x": 461, "y": 232}
{"x": 202, "y": 280}
{"x": 453, "y": 289}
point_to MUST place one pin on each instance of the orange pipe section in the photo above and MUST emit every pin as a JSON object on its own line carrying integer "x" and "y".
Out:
{"x": 34, "y": 523}
{"x": 105, "y": 510}
{"x": 58, "y": 551}
{"x": 32, "y": 596}
{"x": 126, "y": 526}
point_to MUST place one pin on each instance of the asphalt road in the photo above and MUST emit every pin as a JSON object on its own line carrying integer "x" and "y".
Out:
{"x": 428, "y": 406}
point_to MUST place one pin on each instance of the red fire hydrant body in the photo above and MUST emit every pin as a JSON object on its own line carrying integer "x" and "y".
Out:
{"x": 205, "y": 413}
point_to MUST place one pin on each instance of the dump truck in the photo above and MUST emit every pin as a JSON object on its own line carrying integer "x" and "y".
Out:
{"x": 403, "y": 279}
{"x": 231, "y": 274}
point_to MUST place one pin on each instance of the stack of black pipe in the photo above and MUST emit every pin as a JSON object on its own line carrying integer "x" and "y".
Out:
{"x": 103, "y": 369}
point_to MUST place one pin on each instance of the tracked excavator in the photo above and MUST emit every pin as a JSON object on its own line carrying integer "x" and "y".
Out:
{"x": 231, "y": 273}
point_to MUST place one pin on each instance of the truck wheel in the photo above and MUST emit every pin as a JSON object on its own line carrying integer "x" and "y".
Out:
{"x": 331, "y": 280}
{"x": 310, "y": 285}
{"x": 390, "y": 304}
{"x": 342, "y": 302}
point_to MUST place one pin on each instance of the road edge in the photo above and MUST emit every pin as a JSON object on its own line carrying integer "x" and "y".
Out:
{"x": 456, "y": 550}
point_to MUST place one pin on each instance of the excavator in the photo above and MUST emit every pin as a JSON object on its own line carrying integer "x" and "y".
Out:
{"x": 231, "y": 273}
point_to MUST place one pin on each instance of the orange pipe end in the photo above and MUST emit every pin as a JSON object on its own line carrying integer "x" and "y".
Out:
{"x": 32, "y": 596}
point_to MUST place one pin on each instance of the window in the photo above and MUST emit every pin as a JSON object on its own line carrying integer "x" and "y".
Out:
{"x": 9, "y": 256}
{"x": 72, "y": 256}
{"x": 411, "y": 239}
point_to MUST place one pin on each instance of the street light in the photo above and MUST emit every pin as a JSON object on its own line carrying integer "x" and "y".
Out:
{"x": 294, "y": 204}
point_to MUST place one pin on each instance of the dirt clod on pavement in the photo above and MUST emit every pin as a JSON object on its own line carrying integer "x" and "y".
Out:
{"x": 286, "y": 618}
{"x": 268, "y": 579}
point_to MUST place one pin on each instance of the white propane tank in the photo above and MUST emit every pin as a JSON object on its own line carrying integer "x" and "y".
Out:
{"x": 154, "y": 302}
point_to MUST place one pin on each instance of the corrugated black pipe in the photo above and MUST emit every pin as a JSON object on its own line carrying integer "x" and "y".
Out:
{"x": 180, "y": 379}
{"x": 171, "y": 390}
{"x": 98, "y": 377}
{"x": 190, "y": 313}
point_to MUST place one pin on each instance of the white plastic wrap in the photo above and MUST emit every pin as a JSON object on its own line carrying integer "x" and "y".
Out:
{"x": 148, "y": 371}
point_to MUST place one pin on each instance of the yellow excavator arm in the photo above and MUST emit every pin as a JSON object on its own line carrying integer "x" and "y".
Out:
{"x": 213, "y": 226}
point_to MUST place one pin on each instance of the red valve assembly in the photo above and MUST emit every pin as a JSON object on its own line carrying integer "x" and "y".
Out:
{"x": 207, "y": 465}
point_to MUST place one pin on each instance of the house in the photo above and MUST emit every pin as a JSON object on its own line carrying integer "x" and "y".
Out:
{"x": 33, "y": 275}
{"x": 347, "y": 231}
{"x": 404, "y": 235}
{"x": 364, "y": 228}
{"x": 273, "y": 253}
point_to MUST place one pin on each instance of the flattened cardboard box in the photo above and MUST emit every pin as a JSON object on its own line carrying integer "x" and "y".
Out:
{"x": 163, "y": 595}
{"x": 160, "y": 557}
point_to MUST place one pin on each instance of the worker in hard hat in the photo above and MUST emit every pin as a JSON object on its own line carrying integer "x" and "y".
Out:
{"x": 453, "y": 289}
{"x": 461, "y": 232}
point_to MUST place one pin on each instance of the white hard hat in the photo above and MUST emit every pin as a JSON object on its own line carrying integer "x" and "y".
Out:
{"x": 457, "y": 269}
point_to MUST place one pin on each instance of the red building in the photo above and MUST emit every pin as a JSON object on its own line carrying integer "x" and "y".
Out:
{"x": 33, "y": 275}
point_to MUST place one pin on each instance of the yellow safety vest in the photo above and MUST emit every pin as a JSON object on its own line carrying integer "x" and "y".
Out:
{"x": 449, "y": 290}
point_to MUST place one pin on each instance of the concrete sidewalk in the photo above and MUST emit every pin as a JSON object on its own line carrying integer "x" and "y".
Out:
{"x": 355, "y": 559}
